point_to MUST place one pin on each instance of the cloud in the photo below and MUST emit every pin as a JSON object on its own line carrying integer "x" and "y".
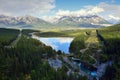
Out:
{"x": 113, "y": 19}
{"x": 87, "y": 10}
{"x": 111, "y": 12}
{"x": 22, "y": 7}
{"x": 110, "y": 8}
{"x": 102, "y": 9}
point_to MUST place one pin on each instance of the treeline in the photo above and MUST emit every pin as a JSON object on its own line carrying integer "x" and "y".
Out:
{"x": 111, "y": 35}
{"x": 7, "y": 36}
{"x": 28, "y": 31}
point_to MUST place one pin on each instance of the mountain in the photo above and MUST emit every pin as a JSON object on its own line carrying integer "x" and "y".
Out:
{"x": 91, "y": 21}
{"x": 82, "y": 21}
{"x": 23, "y": 22}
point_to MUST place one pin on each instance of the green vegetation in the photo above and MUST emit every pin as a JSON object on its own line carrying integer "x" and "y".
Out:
{"x": 62, "y": 33}
{"x": 7, "y": 36}
{"x": 78, "y": 43}
{"x": 107, "y": 40}
{"x": 28, "y": 31}
{"x": 25, "y": 61}
{"x": 50, "y": 34}
{"x": 111, "y": 37}
{"x": 86, "y": 46}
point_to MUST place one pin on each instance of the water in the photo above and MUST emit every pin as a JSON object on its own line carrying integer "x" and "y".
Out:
{"x": 57, "y": 43}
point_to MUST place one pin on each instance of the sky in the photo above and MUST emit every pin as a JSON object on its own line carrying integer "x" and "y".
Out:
{"x": 50, "y": 10}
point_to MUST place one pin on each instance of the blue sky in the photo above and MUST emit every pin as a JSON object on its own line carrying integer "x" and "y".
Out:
{"x": 50, "y": 10}
{"x": 111, "y": 8}
{"x": 77, "y": 4}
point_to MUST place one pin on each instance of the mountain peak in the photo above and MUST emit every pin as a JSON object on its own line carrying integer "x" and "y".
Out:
{"x": 88, "y": 21}
{"x": 27, "y": 19}
{"x": 82, "y": 21}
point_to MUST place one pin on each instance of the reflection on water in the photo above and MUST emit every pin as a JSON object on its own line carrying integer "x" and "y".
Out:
{"x": 57, "y": 43}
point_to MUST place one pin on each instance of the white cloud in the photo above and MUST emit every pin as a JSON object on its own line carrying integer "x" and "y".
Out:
{"x": 110, "y": 8}
{"x": 22, "y": 7}
{"x": 102, "y": 9}
{"x": 87, "y": 10}
{"x": 111, "y": 12}
{"x": 113, "y": 19}
{"x": 84, "y": 11}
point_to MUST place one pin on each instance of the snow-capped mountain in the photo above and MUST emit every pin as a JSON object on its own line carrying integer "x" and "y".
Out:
{"x": 23, "y": 21}
{"x": 82, "y": 21}
{"x": 91, "y": 21}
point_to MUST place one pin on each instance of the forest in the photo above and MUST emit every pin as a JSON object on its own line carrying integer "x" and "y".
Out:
{"x": 109, "y": 38}
{"x": 7, "y": 36}
{"x": 25, "y": 60}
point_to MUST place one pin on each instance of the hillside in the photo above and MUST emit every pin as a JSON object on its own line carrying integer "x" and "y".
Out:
{"x": 103, "y": 48}
{"x": 27, "y": 60}
{"x": 95, "y": 54}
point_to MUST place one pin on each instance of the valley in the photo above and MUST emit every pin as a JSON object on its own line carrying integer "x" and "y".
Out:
{"x": 59, "y": 40}
{"x": 93, "y": 54}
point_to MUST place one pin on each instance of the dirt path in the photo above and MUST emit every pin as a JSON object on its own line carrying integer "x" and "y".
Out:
{"x": 92, "y": 42}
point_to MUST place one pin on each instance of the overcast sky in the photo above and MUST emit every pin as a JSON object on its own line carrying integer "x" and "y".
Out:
{"x": 49, "y": 9}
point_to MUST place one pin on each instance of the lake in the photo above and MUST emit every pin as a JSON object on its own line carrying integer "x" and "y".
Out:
{"x": 57, "y": 43}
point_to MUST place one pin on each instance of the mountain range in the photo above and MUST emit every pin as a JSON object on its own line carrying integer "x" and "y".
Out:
{"x": 22, "y": 22}
{"x": 91, "y": 21}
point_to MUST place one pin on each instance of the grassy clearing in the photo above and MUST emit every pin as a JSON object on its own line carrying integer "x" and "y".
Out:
{"x": 63, "y": 33}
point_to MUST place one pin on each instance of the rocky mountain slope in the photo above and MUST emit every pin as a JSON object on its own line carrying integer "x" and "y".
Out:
{"x": 23, "y": 21}
{"x": 82, "y": 21}
{"x": 90, "y": 21}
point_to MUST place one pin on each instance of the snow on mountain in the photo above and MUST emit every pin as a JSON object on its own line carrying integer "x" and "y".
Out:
{"x": 90, "y": 21}
{"x": 82, "y": 21}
